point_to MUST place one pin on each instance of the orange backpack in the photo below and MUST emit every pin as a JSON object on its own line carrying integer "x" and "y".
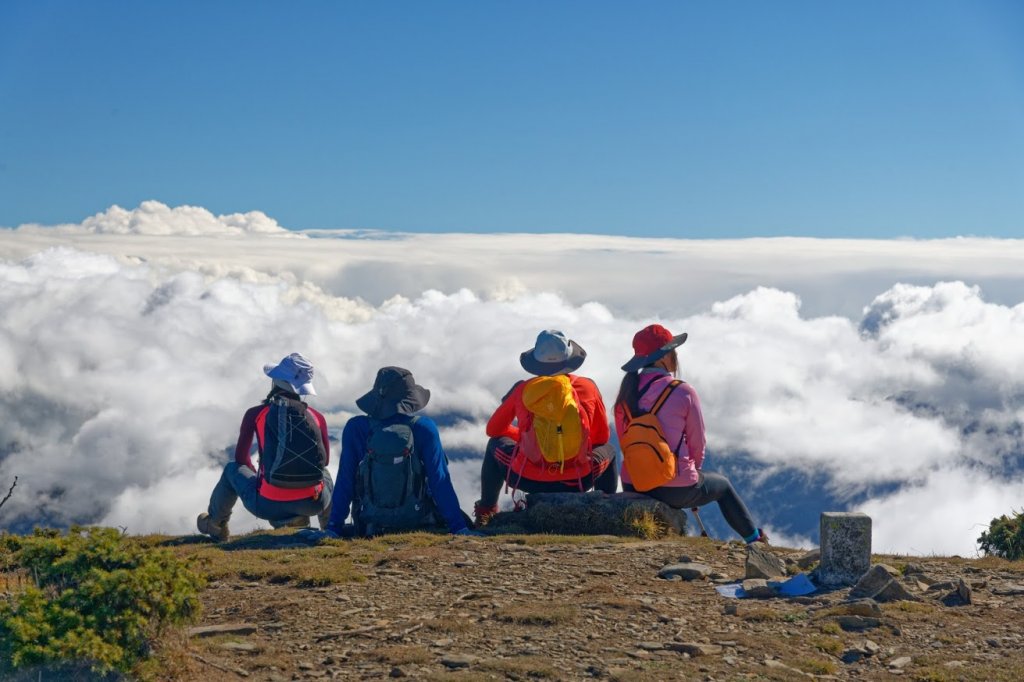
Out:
{"x": 649, "y": 460}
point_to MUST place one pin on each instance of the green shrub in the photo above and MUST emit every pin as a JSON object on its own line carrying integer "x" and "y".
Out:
{"x": 1004, "y": 537}
{"x": 97, "y": 597}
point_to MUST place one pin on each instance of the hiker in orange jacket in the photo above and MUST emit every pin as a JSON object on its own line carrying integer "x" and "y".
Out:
{"x": 507, "y": 461}
{"x": 649, "y": 373}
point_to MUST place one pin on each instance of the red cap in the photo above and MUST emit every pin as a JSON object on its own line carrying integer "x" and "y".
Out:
{"x": 650, "y": 339}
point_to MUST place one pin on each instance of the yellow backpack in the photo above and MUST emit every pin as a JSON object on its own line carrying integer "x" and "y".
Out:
{"x": 649, "y": 460}
{"x": 557, "y": 431}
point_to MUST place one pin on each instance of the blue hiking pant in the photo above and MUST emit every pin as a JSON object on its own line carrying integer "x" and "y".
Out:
{"x": 239, "y": 482}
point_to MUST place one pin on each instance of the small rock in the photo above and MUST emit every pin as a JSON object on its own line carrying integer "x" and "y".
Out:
{"x": 941, "y": 586}
{"x": 809, "y": 559}
{"x": 455, "y": 661}
{"x": 651, "y": 646}
{"x": 758, "y": 588}
{"x": 1009, "y": 590}
{"x": 857, "y": 623}
{"x": 398, "y": 671}
{"x": 695, "y": 649}
{"x": 686, "y": 571}
{"x": 964, "y": 592}
{"x": 442, "y": 642}
{"x": 244, "y": 647}
{"x": 761, "y": 563}
{"x": 224, "y": 629}
{"x": 901, "y": 662}
{"x": 852, "y": 656}
{"x": 858, "y": 607}
{"x": 871, "y": 647}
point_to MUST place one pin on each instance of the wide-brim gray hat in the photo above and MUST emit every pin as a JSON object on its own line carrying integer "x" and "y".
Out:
{"x": 650, "y": 344}
{"x": 552, "y": 354}
{"x": 294, "y": 370}
{"x": 394, "y": 392}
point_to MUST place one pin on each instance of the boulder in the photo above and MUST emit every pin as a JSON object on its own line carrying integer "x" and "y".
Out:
{"x": 593, "y": 513}
{"x": 758, "y": 588}
{"x": 761, "y": 563}
{"x": 879, "y": 584}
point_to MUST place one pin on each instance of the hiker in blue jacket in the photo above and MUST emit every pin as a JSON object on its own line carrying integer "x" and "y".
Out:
{"x": 390, "y": 408}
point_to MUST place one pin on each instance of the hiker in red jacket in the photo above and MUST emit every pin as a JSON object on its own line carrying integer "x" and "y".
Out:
{"x": 292, "y": 482}
{"x": 585, "y": 460}
{"x": 650, "y": 374}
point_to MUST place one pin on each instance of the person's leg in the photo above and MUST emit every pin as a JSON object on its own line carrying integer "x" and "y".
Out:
{"x": 606, "y": 474}
{"x": 236, "y": 481}
{"x": 494, "y": 470}
{"x": 326, "y": 497}
{"x": 710, "y": 488}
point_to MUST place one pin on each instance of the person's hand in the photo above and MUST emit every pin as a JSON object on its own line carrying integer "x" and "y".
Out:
{"x": 470, "y": 532}
{"x": 313, "y": 535}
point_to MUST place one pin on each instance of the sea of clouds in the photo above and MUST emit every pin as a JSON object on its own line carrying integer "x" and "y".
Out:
{"x": 878, "y": 376}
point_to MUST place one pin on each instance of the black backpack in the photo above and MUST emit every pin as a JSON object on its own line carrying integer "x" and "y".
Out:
{"x": 391, "y": 483}
{"x": 293, "y": 450}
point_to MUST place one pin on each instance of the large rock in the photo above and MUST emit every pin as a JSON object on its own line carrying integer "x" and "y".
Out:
{"x": 593, "y": 513}
{"x": 879, "y": 584}
{"x": 761, "y": 563}
{"x": 845, "y": 548}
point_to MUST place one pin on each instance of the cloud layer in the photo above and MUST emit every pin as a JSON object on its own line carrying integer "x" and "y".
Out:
{"x": 126, "y": 360}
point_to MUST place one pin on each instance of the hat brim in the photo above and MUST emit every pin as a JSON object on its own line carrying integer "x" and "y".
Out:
{"x": 274, "y": 372}
{"x": 377, "y": 407}
{"x": 542, "y": 369}
{"x": 638, "y": 361}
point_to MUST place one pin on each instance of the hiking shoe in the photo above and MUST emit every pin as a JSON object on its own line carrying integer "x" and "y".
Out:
{"x": 206, "y": 526}
{"x": 481, "y": 514}
{"x": 761, "y": 537}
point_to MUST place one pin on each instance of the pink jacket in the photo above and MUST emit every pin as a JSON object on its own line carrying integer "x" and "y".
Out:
{"x": 680, "y": 419}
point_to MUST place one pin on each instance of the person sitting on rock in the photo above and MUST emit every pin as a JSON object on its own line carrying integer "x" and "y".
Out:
{"x": 650, "y": 386}
{"x": 550, "y": 433}
{"x": 292, "y": 482}
{"x": 393, "y": 471}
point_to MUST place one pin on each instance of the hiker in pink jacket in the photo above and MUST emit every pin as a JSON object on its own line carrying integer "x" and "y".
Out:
{"x": 651, "y": 370}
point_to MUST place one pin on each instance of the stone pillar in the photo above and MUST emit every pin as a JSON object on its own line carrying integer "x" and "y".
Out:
{"x": 845, "y": 548}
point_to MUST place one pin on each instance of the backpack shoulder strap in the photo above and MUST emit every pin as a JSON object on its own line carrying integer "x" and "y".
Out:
{"x": 665, "y": 393}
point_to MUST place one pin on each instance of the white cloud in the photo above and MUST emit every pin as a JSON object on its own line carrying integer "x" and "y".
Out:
{"x": 126, "y": 360}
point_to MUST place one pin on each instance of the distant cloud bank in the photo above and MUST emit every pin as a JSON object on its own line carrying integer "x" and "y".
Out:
{"x": 131, "y": 344}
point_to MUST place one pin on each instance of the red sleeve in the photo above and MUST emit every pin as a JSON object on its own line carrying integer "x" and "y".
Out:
{"x": 500, "y": 424}
{"x": 323, "y": 434}
{"x": 245, "y": 436}
{"x": 593, "y": 402}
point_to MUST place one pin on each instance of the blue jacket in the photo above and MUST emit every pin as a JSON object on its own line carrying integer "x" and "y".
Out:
{"x": 427, "y": 443}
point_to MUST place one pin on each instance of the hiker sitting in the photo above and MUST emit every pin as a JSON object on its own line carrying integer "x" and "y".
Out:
{"x": 666, "y": 417}
{"x": 550, "y": 433}
{"x": 393, "y": 471}
{"x": 292, "y": 482}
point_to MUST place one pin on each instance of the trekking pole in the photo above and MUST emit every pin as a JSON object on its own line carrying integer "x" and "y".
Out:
{"x": 696, "y": 515}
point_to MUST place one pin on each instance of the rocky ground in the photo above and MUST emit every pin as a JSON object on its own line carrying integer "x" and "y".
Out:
{"x": 556, "y": 607}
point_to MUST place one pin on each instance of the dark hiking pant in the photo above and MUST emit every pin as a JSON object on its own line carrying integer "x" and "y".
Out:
{"x": 239, "y": 482}
{"x": 711, "y": 487}
{"x": 498, "y": 457}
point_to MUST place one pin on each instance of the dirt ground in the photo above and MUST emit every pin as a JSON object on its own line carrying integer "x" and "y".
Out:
{"x": 555, "y": 607}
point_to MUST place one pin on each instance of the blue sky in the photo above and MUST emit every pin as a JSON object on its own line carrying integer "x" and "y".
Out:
{"x": 697, "y": 120}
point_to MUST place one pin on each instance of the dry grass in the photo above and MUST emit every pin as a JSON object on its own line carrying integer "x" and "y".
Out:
{"x": 522, "y": 667}
{"x": 644, "y": 524}
{"x": 545, "y": 614}
{"x": 401, "y": 654}
{"x": 759, "y": 614}
{"x": 815, "y": 666}
{"x": 826, "y": 645}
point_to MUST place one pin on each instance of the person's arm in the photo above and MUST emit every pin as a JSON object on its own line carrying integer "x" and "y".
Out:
{"x": 353, "y": 444}
{"x": 324, "y": 436}
{"x": 245, "y": 435}
{"x": 695, "y": 436}
{"x": 500, "y": 424}
{"x": 439, "y": 481}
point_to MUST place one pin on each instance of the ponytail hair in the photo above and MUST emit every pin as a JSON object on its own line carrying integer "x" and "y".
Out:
{"x": 629, "y": 392}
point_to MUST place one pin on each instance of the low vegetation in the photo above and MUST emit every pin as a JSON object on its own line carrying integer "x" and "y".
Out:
{"x": 90, "y": 596}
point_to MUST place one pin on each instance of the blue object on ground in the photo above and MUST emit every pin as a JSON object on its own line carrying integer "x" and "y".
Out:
{"x": 796, "y": 586}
